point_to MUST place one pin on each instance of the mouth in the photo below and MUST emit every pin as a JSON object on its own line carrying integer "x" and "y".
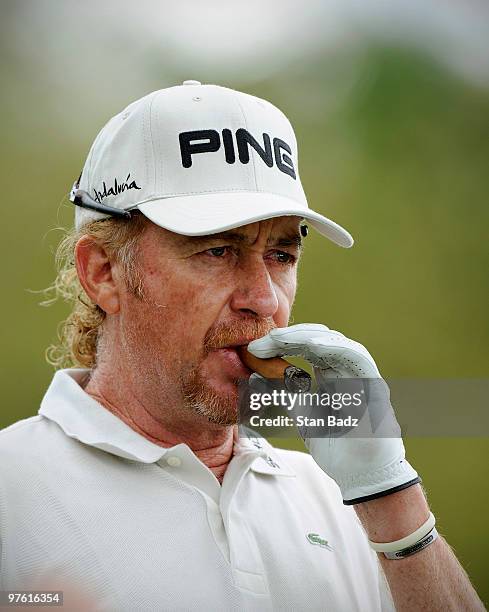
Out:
{"x": 230, "y": 357}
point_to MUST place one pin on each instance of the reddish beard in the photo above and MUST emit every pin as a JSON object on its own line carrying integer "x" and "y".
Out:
{"x": 198, "y": 394}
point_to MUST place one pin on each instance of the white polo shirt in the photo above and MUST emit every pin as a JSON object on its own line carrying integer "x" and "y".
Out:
{"x": 141, "y": 527}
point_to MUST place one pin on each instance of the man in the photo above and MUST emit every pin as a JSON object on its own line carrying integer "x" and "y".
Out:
{"x": 133, "y": 485}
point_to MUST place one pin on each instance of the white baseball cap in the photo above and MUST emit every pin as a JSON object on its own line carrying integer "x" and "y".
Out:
{"x": 197, "y": 159}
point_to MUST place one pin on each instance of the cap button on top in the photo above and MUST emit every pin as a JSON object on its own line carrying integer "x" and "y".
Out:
{"x": 191, "y": 83}
{"x": 174, "y": 461}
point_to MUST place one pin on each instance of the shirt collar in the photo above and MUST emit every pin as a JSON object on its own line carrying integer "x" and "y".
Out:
{"x": 83, "y": 418}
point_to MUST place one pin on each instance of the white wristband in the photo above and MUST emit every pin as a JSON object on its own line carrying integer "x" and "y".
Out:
{"x": 410, "y": 540}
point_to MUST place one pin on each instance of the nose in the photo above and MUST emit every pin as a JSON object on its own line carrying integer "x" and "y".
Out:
{"x": 255, "y": 293}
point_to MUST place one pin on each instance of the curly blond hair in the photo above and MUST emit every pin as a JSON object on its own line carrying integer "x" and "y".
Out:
{"x": 78, "y": 335}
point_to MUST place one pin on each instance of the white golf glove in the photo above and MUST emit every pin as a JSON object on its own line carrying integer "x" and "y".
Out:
{"x": 363, "y": 467}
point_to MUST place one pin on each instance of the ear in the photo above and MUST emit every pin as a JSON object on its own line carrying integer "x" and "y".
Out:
{"x": 96, "y": 274}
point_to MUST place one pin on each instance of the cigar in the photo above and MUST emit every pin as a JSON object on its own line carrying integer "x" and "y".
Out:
{"x": 295, "y": 379}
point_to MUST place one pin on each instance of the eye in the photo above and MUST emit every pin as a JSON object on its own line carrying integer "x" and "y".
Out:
{"x": 218, "y": 251}
{"x": 284, "y": 258}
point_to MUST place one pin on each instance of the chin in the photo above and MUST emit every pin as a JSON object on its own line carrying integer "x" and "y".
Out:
{"x": 219, "y": 411}
{"x": 212, "y": 390}
{"x": 216, "y": 400}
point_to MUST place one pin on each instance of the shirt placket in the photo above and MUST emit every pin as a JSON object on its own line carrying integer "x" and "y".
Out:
{"x": 227, "y": 521}
{"x": 245, "y": 558}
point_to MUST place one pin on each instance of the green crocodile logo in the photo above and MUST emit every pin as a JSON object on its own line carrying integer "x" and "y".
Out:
{"x": 317, "y": 540}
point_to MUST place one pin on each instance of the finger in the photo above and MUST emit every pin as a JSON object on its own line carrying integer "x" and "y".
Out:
{"x": 313, "y": 342}
{"x": 281, "y": 338}
{"x": 321, "y": 346}
{"x": 344, "y": 356}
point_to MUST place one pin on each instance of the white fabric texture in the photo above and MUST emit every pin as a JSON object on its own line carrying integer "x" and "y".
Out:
{"x": 135, "y": 526}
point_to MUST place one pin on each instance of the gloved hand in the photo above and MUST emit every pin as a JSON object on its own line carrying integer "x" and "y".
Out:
{"x": 363, "y": 467}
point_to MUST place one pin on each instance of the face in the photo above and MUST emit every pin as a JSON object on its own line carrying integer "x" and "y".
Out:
{"x": 203, "y": 297}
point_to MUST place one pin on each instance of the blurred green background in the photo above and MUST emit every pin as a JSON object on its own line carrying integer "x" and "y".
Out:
{"x": 391, "y": 110}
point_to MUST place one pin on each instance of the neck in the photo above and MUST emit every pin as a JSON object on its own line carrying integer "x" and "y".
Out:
{"x": 212, "y": 444}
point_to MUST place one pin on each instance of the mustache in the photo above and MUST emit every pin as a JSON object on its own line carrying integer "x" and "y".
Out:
{"x": 237, "y": 332}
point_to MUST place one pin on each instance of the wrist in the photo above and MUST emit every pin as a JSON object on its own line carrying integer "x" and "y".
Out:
{"x": 394, "y": 516}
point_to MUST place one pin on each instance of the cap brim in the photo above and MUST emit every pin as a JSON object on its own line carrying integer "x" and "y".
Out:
{"x": 198, "y": 215}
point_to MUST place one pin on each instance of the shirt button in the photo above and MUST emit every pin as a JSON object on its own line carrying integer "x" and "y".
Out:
{"x": 191, "y": 83}
{"x": 174, "y": 461}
